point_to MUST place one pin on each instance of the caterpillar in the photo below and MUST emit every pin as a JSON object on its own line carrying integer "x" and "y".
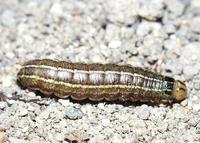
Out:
{"x": 99, "y": 81}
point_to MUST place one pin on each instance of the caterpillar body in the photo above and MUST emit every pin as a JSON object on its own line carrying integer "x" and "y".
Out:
{"x": 99, "y": 81}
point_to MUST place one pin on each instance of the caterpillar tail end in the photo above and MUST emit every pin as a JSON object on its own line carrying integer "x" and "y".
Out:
{"x": 179, "y": 91}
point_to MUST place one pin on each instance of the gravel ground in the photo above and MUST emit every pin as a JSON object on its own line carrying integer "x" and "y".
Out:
{"x": 144, "y": 33}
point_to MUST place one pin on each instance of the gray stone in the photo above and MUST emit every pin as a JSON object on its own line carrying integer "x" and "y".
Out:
{"x": 146, "y": 28}
{"x": 175, "y": 8}
{"x": 122, "y": 11}
{"x": 7, "y": 18}
{"x": 169, "y": 28}
{"x": 143, "y": 112}
{"x": 73, "y": 113}
{"x": 151, "y": 9}
{"x": 195, "y": 24}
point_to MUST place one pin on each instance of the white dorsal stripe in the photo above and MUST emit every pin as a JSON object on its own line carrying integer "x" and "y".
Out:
{"x": 93, "y": 71}
{"x": 89, "y": 86}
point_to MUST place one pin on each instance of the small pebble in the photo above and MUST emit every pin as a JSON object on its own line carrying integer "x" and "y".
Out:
{"x": 56, "y": 9}
{"x": 73, "y": 113}
{"x": 43, "y": 116}
{"x": 105, "y": 122}
{"x": 195, "y": 24}
{"x": 143, "y": 112}
{"x": 196, "y": 107}
{"x": 114, "y": 44}
{"x": 101, "y": 105}
{"x": 7, "y": 81}
{"x": 184, "y": 102}
{"x": 23, "y": 112}
{"x": 64, "y": 102}
{"x": 31, "y": 94}
{"x": 59, "y": 136}
{"x": 2, "y": 105}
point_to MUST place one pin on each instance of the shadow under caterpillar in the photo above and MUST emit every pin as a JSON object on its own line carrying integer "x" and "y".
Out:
{"x": 99, "y": 81}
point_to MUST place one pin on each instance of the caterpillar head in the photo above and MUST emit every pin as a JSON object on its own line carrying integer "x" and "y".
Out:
{"x": 179, "y": 91}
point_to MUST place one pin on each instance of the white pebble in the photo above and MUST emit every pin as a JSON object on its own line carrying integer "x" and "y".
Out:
{"x": 105, "y": 122}
{"x": 23, "y": 112}
{"x": 2, "y": 105}
{"x": 114, "y": 44}
{"x": 64, "y": 102}
{"x": 56, "y": 9}
{"x": 31, "y": 94}
{"x": 59, "y": 137}
{"x": 101, "y": 105}
{"x": 7, "y": 81}
{"x": 196, "y": 107}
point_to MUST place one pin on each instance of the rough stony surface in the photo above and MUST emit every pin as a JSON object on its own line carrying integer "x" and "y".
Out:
{"x": 163, "y": 36}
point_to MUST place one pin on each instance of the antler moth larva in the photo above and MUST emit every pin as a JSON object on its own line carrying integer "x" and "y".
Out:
{"x": 99, "y": 81}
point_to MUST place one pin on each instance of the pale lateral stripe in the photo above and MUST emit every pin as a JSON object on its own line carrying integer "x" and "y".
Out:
{"x": 89, "y": 86}
{"x": 88, "y": 72}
